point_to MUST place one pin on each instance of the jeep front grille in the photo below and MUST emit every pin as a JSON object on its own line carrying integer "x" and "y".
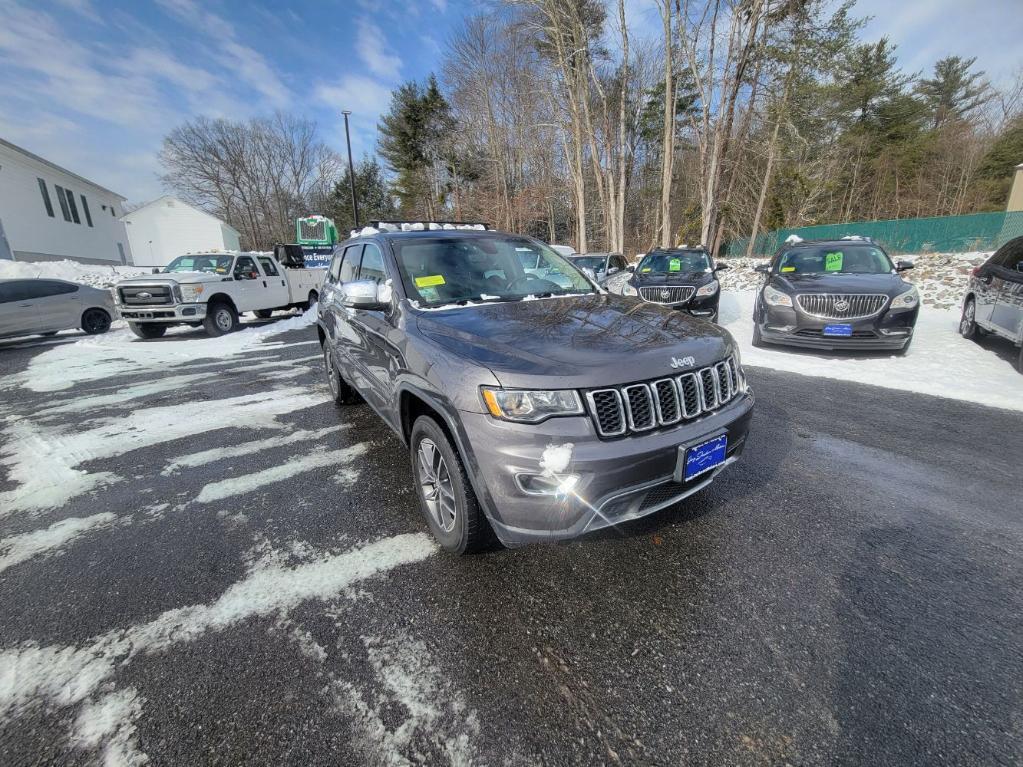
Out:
{"x": 841, "y": 306}
{"x": 146, "y": 295}
{"x": 667, "y": 294}
{"x": 663, "y": 402}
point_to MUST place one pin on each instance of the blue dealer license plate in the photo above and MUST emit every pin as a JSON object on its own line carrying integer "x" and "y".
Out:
{"x": 838, "y": 330}
{"x": 702, "y": 458}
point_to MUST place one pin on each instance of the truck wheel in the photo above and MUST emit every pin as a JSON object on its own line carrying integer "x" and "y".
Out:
{"x": 221, "y": 318}
{"x": 340, "y": 391}
{"x": 95, "y": 321}
{"x": 445, "y": 494}
{"x": 145, "y": 330}
{"x": 263, "y": 314}
{"x": 313, "y": 298}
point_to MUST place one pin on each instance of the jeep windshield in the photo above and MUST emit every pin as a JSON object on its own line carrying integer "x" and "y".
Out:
{"x": 834, "y": 259}
{"x": 209, "y": 264}
{"x": 682, "y": 261}
{"x": 437, "y": 271}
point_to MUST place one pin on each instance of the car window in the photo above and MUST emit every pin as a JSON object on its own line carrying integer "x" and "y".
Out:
{"x": 10, "y": 291}
{"x": 372, "y": 264}
{"x": 335, "y": 265}
{"x": 618, "y": 262}
{"x": 1010, "y": 256}
{"x": 45, "y": 288}
{"x": 208, "y": 264}
{"x": 682, "y": 261}
{"x": 269, "y": 267}
{"x": 350, "y": 264}
{"x": 245, "y": 268}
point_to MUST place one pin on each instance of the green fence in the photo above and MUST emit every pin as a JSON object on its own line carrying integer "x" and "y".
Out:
{"x": 943, "y": 234}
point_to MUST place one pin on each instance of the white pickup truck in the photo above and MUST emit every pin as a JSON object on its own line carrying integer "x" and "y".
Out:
{"x": 212, "y": 289}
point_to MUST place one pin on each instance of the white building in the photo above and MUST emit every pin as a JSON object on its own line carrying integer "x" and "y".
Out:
{"x": 48, "y": 213}
{"x": 167, "y": 228}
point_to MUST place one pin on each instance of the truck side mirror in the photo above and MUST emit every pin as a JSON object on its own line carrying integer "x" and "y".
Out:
{"x": 902, "y": 266}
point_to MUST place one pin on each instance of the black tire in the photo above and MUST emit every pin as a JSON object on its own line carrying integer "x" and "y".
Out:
{"x": 340, "y": 391}
{"x": 968, "y": 322}
{"x": 146, "y": 330}
{"x": 221, "y": 318}
{"x": 95, "y": 321}
{"x": 470, "y": 531}
{"x": 263, "y": 314}
{"x": 313, "y": 298}
{"x": 758, "y": 340}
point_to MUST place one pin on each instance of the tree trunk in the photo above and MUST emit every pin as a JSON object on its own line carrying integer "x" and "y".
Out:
{"x": 668, "y": 140}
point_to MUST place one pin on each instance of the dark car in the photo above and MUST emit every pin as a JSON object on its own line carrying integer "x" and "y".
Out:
{"x": 677, "y": 278}
{"x": 994, "y": 298}
{"x": 835, "y": 294}
{"x": 532, "y": 410}
{"x": 603, "y": 265}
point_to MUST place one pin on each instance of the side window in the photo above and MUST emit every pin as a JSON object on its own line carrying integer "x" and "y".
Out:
{"x": 8, "y": 292}
{"x": 1010, "y": 256}
{"x": 335, "y": 265}
{"x": 62, "y": 199}
{"x": 245, "y": 268}
{"x": 372, "y": 264}
{"x": 46, "y": 198}
{"x": 350, "y": 264}
{"x": 269, "y": 267}
{"x": 56, "y": 288}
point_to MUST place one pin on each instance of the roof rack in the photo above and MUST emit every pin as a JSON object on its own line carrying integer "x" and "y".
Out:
{"x": 406, "y": 225}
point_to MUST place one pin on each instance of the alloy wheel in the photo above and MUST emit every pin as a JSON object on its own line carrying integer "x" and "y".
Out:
{"x": 435, "y": 481}
{"x": 332, "y": 374}
{"x": 969, "y": 319}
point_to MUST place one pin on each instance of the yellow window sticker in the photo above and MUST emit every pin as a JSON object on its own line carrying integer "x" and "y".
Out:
{"x": 646, "y": 269}
{"x": 833, "y": 261}
{"x": 788, "y": 268}
{"x": 675, "y": 265}
{"x": 430, "y": 281}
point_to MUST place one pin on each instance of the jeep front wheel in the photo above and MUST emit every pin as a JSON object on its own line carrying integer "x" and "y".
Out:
{"x": 445, "y": 495}
{"x": 221, "y": 318}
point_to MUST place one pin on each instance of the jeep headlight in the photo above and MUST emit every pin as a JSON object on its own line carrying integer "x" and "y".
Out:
{"x": 531, "y": 406}
{"x": 189, "y": 294}
{"x": 906, "y": 300}
{"x": 709, "y": 289}
{"x": 776, "y": 297}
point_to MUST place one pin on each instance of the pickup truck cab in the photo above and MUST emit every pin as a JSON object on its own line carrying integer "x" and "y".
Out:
{"x": 212, "y": 289}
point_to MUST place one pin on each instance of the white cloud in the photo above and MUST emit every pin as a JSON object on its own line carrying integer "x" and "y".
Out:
{"x": 373, "y": 50}
{"x": 362, "y": 95}
{"x": 440, "y": 5}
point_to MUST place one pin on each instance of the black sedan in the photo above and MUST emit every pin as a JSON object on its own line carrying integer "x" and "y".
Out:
{"x": 680, "y": 278}
{"x": 835, "y": 294}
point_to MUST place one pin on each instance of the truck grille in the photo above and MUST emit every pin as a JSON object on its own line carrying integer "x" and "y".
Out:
{"x": 667, "y": 294}
{"x": 146, "y": 295}
{"x": 665, "y": 401}
{"x": 841, "y": 306}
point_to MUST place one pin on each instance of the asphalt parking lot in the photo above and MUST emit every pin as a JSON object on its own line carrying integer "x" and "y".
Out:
{"x": 207, "y": 562}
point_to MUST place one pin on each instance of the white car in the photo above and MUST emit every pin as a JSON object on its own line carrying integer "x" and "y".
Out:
{"x": 45, "y": 307}
{"x": 211, "y": 290}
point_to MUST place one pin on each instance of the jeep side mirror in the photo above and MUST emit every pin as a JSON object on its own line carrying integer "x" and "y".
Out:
{"x": 630, "y": 268}
{"x": 902, "y": 266}
{"x": 762, "y": 268}
{"x": 362, "y": 294}
{"x": 721, "y": 267}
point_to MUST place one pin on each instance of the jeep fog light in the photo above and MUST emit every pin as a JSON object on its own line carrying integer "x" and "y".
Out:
{"x": 538, "y": 484}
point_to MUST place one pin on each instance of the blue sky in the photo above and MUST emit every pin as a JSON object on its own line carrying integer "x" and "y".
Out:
{"x": 95, "y": 86}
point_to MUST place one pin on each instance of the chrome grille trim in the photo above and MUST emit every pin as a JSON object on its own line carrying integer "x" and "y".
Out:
{"x": 159, "y": 294}
{"x": 640, "y": 407}
{"x": 677, "y": 294}
{"x": 841, "y": 306}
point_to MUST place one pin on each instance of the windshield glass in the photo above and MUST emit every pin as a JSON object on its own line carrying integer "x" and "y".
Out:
{"x": 209, "y": 264}
{"x": 446, "y": 270}
{"x": 834, "y": 259}
{"x": 596, "y": 263}
{"x": 664, "y": 262}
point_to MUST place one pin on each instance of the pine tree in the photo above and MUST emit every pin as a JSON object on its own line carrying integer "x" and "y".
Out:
{"x": 954, "y": 92}
{"x": 376, "y": 202}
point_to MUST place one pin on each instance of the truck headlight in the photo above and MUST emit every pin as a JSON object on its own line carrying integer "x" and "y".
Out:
{"x": 709, "y": 289}
{"x": 776, "y": 297}
{"x": 906, "y": 300}
{"x": 189, "y": 294}
{"x": 531, "y": 406}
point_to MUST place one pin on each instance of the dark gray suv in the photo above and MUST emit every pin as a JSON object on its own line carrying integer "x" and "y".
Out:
{"x": 536, "y": 405}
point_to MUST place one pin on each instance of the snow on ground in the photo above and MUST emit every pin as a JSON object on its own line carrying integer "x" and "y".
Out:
{"x": 94, "y": 275}
{"x": 940, "y": 361}
{"x": 941, "y": 278}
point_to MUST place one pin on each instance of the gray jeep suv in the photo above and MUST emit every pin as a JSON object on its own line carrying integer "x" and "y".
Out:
{"x": 536, "y": 406}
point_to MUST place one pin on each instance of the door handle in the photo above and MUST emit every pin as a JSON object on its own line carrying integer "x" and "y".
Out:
{"x": 26, "y": 306}
{"x": 264, "y": 283}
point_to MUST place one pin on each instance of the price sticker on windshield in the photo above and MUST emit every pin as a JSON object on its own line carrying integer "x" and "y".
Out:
{"x": 429, "y": 282}
{"x": 833, "y": 261}
{"x": 675, "y": 265}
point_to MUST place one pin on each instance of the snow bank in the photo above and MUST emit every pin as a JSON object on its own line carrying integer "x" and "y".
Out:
{"x": 93, "y": 275}
{"x": 940, "y": 362}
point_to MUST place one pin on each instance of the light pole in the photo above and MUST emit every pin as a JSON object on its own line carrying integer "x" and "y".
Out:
{"x": 351, "y": 170}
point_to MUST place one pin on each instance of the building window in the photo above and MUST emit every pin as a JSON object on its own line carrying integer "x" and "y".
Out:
{"x": 85, "y": 209}
{"x": 71, "y": 204}
{"x": 46, "y": 198}
{"x": 62, "y": 199}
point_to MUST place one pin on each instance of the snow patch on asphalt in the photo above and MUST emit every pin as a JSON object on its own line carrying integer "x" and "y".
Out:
{"x": 246, "y": 483}
{"x": 940, "y": 362}
{"x": 53, "y": 539}
{"x": 109, "y": 724}
{"x": 64, "y": 676}
{"x": 347, "y": 477}
{"x": 248, "y": 448}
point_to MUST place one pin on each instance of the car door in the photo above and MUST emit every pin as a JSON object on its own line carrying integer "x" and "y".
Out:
{"x": 346, "y": 339}
{"x": 248, "y": 289}
{"x": 1007, "y": 314}
{"x": 58, "y": 305}
{"x": 17, "y": 310}
{"x": 275, "y": 284}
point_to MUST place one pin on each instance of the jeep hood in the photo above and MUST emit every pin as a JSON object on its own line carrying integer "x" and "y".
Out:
{"x": 575, "y": 342}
